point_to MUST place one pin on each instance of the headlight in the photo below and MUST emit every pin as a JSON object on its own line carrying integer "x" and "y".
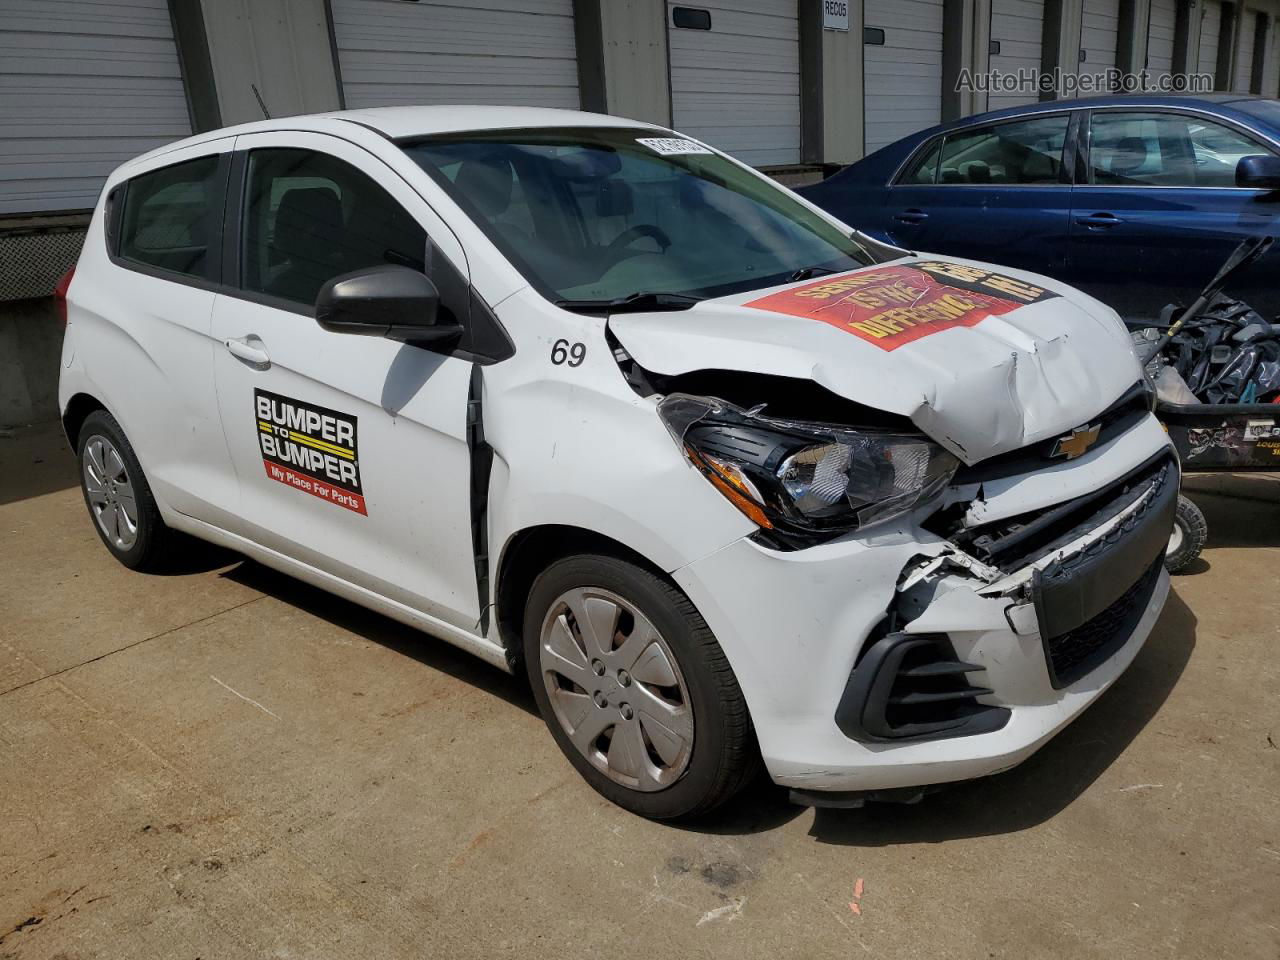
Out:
{"x": 805, "y": 479}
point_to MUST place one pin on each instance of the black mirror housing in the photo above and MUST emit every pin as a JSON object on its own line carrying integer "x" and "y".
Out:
{"x": 1259, "y": 173}
{"x": 395, "y": 302}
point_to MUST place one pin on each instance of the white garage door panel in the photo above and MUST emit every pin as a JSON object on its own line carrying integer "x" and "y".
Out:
{"x": 737, "y": 85}
{"x": 84, "y": 86}
{"x": 1099, "y": 30}
{"x": 1019, "y": 27}
{"x": 497, "y": 51}
{"x": 903, "y": 76}
{"x": 1210, "y": 31}
{"x": 1160, "y": 28}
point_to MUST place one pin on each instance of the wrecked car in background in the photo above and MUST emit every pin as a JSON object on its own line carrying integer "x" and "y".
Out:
{"x": 587, "y": 398}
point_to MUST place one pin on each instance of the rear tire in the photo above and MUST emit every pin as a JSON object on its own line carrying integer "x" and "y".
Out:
{"x": 123, "y": 511}
{"x": 649, "y": 713}
{"x": 1190, "y": 531}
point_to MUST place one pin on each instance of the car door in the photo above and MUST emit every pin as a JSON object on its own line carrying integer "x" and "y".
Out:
{"x": 997, "y": 192}
{"x": 1157, "y": 210}
{"x": 351, "y": 451}
{"x": 155, "y": 370}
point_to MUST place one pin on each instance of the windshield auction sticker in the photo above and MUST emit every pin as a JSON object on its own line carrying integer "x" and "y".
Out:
{"x": 673, "y": 146}
{"x": 893, "y": 306}
{"x": 310, "y": 448}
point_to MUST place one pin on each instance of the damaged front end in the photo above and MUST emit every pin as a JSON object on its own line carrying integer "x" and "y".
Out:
{"x": 1078, "y": 575}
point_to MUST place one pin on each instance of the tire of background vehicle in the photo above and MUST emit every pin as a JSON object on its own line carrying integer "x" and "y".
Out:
{"x": 1190, "y": 531}
{"x": 150, "y": 545}
{"x": 721, "y": 755}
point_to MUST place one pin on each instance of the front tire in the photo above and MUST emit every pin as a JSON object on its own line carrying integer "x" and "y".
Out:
{"x": 118, "y": 497}
{"x": 635, "y": 689}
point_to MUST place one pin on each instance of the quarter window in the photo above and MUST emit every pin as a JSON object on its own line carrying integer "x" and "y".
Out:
{"x": 168, "y": 219}
{"x": 1165, "y": 150}
{"x": 925, "y": 170}
{"x": 310, "y": 217}
{"x": 1022, "y": 153}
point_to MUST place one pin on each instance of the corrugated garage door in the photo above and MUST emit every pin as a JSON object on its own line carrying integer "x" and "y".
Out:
{"x": 737, "y": 84}
{"x": 1099, "y": 30}
{"x": 1164, "y": 16}
{"x": 1018, "y": 27}
{"x": 84, "y": 86}
{"x": 1210, "y": 31}
{"x": 1244, "y": 56}
{"x": 518, "y": 52}
{"x": 902, "y": 83}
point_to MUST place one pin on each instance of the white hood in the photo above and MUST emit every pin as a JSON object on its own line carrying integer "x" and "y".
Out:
{"x": 1012, "y": 375}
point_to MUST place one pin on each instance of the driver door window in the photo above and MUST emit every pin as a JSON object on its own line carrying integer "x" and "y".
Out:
{"x": 1165, "y": 150}
{"x": 310, "y": 217}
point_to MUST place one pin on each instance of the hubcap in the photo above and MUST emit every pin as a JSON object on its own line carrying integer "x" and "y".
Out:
{"x": 1175, "y": 538}
{"x": 110, "y": 492}
{"x": 615, "y": 689}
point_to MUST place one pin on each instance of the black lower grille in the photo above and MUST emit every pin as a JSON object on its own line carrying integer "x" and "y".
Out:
{"x": 914, "y": 687}
{"x": 1073, "y": 654}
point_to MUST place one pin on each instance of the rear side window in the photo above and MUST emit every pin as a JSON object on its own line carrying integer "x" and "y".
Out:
{"x": 925, "y": 169}
{"x": 171, "y": 218}
{"x": 1024, "y": 152}
{"x": 310, "y": 217}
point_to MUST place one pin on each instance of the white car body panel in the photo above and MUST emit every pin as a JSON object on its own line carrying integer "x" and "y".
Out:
{"x": 577, "y": 447}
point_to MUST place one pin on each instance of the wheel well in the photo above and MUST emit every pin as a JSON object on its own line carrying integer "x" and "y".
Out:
{"x": 78, "y": 409}
{"x": 530, "y": 552}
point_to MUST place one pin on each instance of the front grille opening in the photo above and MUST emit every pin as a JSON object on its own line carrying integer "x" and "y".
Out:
{"x": 1075, "y": 653}
{"x": 1014, "y": 542}
{"x": 914, "y": 687}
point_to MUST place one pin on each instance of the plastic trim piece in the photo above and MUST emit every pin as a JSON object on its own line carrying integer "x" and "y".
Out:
{"x": 862, "y": 712}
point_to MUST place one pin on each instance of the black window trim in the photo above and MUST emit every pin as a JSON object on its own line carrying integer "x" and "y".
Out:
{"x": 1086, "y": 144}
{"x": 925, "y": 146}
{"x": 115, "y": 216}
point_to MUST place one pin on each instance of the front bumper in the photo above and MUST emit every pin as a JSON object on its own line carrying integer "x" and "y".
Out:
{"x": 794, "y": 625}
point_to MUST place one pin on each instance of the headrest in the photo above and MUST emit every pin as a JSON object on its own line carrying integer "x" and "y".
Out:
{"x": 306, "y": 217}
{"x": 1129, "y": 156}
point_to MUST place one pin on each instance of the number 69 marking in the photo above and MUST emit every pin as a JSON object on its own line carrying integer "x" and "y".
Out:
{"x": 564, "y": 352}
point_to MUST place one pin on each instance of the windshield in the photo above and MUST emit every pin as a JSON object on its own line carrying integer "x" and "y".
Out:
{"x": 602, "y": 214}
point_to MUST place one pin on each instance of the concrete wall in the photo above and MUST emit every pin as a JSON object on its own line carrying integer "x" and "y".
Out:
{"x": 636, "y": 75}
{"x": 842, "y": 90}
{"x": 282, "y": 46}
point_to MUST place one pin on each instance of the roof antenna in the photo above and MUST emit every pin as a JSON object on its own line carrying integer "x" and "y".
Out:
{"x": 265, "y": 112}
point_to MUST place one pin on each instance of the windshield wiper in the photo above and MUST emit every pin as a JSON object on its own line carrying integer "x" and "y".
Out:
{"x": 804, "y": 273}
{"x": 632, "y": 302}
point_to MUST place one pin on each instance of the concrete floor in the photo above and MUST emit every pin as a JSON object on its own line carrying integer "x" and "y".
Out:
{"x": 226, "y": 763}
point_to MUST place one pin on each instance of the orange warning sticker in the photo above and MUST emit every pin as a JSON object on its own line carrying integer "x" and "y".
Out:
{"x": 892, "y": 306}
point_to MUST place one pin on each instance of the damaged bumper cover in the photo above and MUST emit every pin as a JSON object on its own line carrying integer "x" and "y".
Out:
{"x": 978, "y": 661}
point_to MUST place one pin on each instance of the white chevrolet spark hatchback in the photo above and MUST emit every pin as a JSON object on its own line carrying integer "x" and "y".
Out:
{"x": 730, "y": 481}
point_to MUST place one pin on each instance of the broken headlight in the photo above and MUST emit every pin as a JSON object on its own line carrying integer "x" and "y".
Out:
{"x": 802, "y": 479}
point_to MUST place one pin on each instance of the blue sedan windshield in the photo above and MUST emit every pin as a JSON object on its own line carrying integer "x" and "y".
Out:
{"x": 600, "y": 214}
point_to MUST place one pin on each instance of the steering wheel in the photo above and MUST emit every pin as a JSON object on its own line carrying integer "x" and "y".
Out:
{"x": 631, "y": 235}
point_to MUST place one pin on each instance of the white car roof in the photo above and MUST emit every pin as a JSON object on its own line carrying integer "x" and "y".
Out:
{"x": 416, "y": 121}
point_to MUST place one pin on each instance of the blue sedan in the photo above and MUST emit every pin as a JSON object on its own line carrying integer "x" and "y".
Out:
{"x": 1136, "y": 200}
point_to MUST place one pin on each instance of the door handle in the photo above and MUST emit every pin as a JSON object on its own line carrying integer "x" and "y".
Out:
{"x": 249, "y": 350}
{"x": 1099, "y": 220}
{"x": 911, "y": 216}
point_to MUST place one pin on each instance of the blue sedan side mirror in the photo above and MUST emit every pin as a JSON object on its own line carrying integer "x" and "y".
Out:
{"x": 1259, "y": 173}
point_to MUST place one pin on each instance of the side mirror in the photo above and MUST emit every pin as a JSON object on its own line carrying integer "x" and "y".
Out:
{"x": 395, "y": 302}
{"x": 1259, "y": 173}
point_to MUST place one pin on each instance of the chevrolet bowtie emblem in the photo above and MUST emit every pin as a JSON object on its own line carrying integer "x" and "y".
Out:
{"x": 1078, "y": 443}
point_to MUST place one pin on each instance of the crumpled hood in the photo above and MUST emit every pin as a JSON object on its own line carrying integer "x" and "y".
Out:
{"x": 982, "y": 359}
